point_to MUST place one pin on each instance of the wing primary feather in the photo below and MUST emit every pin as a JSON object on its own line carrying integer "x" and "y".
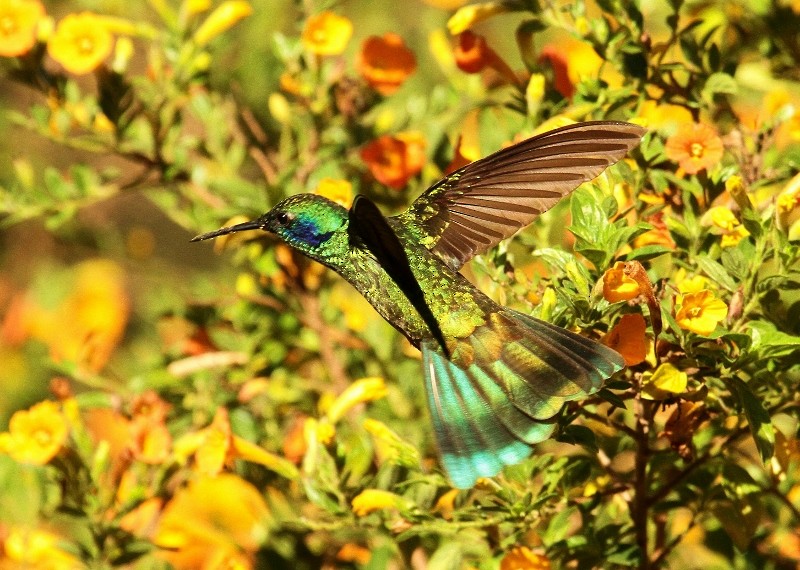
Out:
{"x": 525, "y": 179}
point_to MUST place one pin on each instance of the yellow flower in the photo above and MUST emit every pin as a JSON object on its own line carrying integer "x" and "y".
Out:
{"x": 655, "y": 115}
{"x": 665, "y": 382}
{"x": 80, "y": 42}
{"x": 787, "y": 206}
{"x": 700, "y": 312}
{"x": 221, "y": 20}
{"x": 18, "y": 21}
{"x": 724, "y": 222}
{"x": 336, "y": 190}
{"x": 36, "y": 548}
{"x": 445, "y": 505}
{"x": 360, "y": 391}
{"x": 389, "y": 446}
{"x": 695, "y": 147}
{"x": 730, "y": 239}
{"x": 35, "y": 436}
{"x": 522, "y": 558}
{"x": 221, "y": 519}
{"x": 192, "y": 7}
{"x": 720, "y": 217}
{"x": 327, "y": 33}
{"x": 373, "y": 500}
{"x": 468, "y": 16}
{"x": 691, "y": 285}
{"x": 617, "y": 286}
{"x": 628, "y": 337}
{"x": 216, "y": 446}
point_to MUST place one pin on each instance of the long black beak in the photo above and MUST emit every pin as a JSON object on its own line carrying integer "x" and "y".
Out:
{"x": 252, "y": 225}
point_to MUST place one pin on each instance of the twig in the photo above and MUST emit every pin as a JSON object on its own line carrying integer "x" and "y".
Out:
{"x": 313, "y": 318}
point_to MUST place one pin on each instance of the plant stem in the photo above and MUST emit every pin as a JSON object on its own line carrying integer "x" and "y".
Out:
{"x": 640, "y": 505}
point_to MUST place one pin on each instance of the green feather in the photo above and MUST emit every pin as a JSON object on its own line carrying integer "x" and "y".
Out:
{"x": 503, "y": 388}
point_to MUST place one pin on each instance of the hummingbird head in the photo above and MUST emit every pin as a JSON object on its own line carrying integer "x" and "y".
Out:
{"x": 306, "y": 222}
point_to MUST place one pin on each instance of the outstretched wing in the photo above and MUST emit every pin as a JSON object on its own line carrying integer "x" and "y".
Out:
{"x": 481, "y": 204}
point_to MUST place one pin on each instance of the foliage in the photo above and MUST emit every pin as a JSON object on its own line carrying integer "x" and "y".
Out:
{"x": 269, "y": 418}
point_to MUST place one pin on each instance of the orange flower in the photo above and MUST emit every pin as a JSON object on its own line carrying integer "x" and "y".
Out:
{"x": 558, "y": 61}
{"x": 700, "y": 312}
{"x": 473, "y": 55}
{"x": 327, "y": 33}
{"x": 351, "y": 552}
{"x": 215, "y": 522}
{"x": 659, "y": 235}
{"x": 694, "y": 146}
{"x": 111, "y": 427}
{"x": 617, "y": 286}
{"x": 393, "y": 160}
{"x": 522, "y": 558}
{"x": 80, "y": 42}
{"x": 18, "y": 21}
{"x": 572, "y": 60}
{"x": 385, "y": 62}
{"x": 36, "y": 435}
{"x": 629, "y": 339}
{"x": 150, "y": 442}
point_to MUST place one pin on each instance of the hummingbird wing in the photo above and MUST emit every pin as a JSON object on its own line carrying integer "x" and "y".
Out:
{"x": 369, "y": 227}
{"x": 503, "y": 387}
{"x": 483, "y": 203}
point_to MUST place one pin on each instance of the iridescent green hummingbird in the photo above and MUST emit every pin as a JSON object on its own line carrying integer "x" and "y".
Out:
{"x": 496, "y": 379}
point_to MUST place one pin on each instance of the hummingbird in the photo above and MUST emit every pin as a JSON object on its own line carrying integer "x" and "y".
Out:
{"x": 496, "y": 379}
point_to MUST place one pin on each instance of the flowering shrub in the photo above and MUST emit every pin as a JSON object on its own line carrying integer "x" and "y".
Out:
{"x": 168, "y": 404}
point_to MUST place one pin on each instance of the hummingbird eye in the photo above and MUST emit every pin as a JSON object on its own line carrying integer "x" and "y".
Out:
{"x": 284, "y": 218}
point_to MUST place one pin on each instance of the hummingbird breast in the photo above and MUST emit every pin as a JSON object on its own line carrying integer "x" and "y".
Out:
{"x": 455, "y": 303}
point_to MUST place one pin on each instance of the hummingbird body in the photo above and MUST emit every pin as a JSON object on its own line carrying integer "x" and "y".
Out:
{"x": 496, "y": 379}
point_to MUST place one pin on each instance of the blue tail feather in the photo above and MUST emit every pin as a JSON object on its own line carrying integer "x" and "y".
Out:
{"x": 503, "y": 388}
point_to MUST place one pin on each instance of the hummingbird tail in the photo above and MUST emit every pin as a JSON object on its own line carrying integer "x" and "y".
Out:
{"x": 503, "y": 387}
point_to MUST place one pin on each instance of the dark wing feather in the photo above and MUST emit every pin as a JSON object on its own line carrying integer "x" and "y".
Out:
{"x": 367, "y": 224}
{"x": 481, "y": 204}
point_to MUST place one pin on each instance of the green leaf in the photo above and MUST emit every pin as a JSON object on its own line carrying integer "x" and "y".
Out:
{"x": 648, "y": 252}
{"x": 579, "y": 435}
{"x": 760, "y": 423}
{"x": 559, "y": 526}
{"x": 447, "y": 557}
{"x": 735, "y": 261}
{"x": 769, "y": 342}
{"x": 611, "y": 397}
{"x": 719, "y": 83}
{"x": 716, "y": 272}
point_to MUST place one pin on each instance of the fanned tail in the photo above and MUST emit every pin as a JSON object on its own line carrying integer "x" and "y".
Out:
{"x": 503, "y": 387}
